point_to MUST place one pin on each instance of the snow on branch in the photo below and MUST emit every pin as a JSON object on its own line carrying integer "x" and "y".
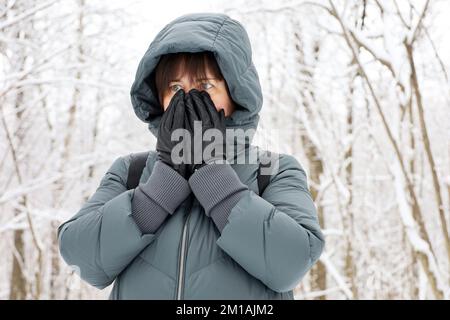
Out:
{"x": 27, "y": 14}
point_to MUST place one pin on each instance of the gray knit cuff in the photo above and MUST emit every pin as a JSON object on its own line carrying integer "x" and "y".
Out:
{"x": 218, "y": 188}
{"x": 164, "y": 191}
{"x": 147, "y": 214}
{"x": 166, "y": 187}
{"x": 219, "y": 214}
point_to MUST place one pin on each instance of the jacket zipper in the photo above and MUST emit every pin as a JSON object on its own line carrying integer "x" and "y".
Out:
{"x": 182, "y": 256}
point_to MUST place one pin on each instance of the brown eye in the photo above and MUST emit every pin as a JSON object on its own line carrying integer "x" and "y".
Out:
{"x": 205, "y": 84}
{"x": 171, "y": 88}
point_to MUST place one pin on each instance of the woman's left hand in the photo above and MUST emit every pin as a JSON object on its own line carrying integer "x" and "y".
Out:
{"x": 200, "y": 107}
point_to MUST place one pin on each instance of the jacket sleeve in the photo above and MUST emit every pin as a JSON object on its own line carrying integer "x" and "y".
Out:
{"x": 103, "y": 238}
{"x": 277, "y": 239}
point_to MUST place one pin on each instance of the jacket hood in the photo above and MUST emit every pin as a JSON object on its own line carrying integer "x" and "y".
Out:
{"x": 197, "y": 32}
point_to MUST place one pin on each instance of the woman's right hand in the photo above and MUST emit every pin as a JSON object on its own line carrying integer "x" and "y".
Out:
{"x": 172, "y": 119}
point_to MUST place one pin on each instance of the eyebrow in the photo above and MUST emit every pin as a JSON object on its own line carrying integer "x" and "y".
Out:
{"x": 173, "y": 80}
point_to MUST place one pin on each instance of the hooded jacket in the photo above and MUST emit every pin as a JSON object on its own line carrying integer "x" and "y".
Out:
{"x": 212, "y": 236}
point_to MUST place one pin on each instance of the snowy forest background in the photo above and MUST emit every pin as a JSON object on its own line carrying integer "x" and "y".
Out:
{"x": 358, "y": 91}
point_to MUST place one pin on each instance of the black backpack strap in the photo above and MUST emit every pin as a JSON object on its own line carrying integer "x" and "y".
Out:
{"x": 137, "y": 165}
{"x": 263, "y": 179}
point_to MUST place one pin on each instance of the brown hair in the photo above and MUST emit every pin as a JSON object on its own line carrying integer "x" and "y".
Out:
{"x": 195, "y": 64}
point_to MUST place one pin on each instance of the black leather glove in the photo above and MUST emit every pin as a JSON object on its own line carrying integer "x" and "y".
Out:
{"x": 172, "y": 119}
{"x": 200, "y": 107}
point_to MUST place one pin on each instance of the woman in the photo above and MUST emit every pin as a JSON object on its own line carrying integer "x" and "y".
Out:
{"x": 196, "y": 231}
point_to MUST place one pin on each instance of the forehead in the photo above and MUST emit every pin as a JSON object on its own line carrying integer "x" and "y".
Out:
{"x": 195, "y": 71}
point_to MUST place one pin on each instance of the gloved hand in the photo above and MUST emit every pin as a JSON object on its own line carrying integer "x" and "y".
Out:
{"x": 172, "y": 119}
{"x": 200, "y": 107}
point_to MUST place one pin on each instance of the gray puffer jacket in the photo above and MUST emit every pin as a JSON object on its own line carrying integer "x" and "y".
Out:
{"x": 211, "y": 236}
